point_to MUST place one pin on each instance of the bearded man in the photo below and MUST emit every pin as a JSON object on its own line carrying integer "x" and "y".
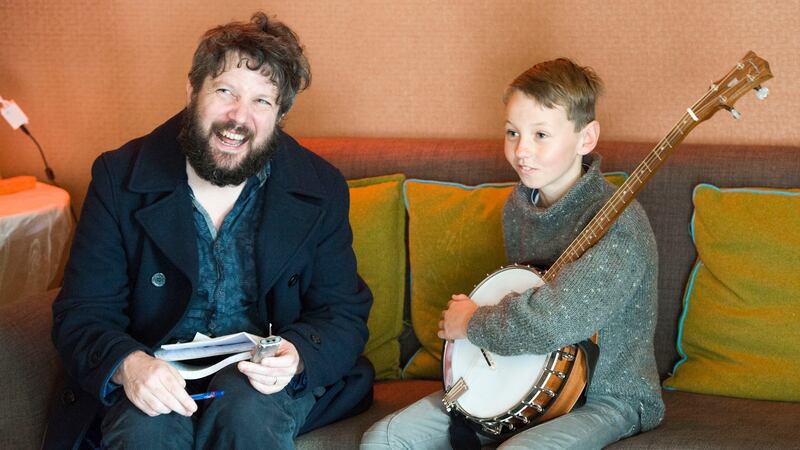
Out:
{"x": 216, "y": 222}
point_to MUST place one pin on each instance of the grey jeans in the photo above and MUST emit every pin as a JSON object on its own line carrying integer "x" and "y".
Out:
{"x": 424, "y": 425}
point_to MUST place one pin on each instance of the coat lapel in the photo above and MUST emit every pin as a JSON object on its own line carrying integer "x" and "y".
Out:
{"x": 169, "y": 224}
{"x": 160, "y": 173}
{"x": 289, "y": 217}
{"x": 291, "y": 212}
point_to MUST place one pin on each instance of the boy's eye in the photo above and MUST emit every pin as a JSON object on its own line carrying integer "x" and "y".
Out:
{"x": 541, "y": 135}
{"x": 511, "y": 134}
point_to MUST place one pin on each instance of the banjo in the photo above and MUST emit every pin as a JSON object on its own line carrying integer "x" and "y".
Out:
{"x": 499, "y": 394}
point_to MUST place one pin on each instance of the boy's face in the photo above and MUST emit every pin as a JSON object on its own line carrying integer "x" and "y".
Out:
{"x": 542, "y": 146}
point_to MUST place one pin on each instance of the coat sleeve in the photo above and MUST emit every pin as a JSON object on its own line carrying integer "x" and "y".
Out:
{"x": 332, "y": 328}
{"x": 89, "y": 314}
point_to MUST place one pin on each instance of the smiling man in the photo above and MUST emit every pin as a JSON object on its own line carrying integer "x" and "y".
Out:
{"x": 216, "y": 222}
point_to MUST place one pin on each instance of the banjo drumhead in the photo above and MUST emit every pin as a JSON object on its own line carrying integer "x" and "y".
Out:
{"x": 494, "y": 390}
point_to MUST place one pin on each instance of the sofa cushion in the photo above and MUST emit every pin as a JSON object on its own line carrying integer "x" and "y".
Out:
{"x": 29, "y": 368}
{"x": 739, "y": 330}
{"x": 378, "y": 219}
{"x": 704, "y": 422}
{"x": 389, "y": 396}
{"x": 693, "y": 421}
{"x": 455, "y": 240}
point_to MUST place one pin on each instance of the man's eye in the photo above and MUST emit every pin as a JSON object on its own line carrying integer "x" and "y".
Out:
{"x": 264, "y": 102}
{"x": 224, "y": 91}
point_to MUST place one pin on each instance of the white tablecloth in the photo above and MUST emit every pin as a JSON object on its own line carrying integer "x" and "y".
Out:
{"x": 35, "y": 226}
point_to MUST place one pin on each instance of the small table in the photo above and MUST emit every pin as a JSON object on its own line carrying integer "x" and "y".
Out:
{"x": 35, "y": 226}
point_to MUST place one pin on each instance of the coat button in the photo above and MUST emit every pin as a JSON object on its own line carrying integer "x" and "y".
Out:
{"x": 67, "y": 397}
{"x": 316, "y": 339}
{"x": 293, "y": 280}
{"x": 158, "y": 279}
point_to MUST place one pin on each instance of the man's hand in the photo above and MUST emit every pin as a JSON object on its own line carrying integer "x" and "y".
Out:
{"x": 153, "y": 386}
{"x": 273, "y": 373}
{"x": 456, "y": 317}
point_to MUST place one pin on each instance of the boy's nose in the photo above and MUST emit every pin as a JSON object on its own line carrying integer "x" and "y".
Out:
{"x": 523, "y": 149}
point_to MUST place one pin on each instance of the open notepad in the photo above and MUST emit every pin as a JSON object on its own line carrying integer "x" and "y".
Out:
{"x": 238, "y": 346}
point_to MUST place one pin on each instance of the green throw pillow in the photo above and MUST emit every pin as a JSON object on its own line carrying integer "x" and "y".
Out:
{"x": 739, "y": 333}
{"x": 455, "y": 240}
{"x": 378, "y": 219}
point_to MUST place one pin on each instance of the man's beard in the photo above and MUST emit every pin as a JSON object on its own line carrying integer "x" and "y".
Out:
{"x": 195, "y": 144}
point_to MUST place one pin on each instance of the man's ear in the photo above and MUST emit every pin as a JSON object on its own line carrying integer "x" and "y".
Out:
{"x": 189, "y": 92}
{"x": 589, "y": 137}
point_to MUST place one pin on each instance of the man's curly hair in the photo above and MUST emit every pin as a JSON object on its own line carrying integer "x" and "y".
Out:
{"x": 262, "y": 44}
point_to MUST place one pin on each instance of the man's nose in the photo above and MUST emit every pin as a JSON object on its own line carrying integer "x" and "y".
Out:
{"x": 238, "y": 112}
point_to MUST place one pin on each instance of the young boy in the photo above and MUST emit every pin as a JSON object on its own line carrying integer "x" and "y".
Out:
{"x": 550, "y": 132}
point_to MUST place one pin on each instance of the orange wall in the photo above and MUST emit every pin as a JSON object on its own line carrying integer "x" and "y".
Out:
{"x": 94, "y": 74}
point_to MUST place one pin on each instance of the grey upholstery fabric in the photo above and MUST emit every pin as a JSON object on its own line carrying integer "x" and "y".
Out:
{"x": 389, "y": 397}
{"x": 28, "y": 369}
{"x": 695, "y": 421}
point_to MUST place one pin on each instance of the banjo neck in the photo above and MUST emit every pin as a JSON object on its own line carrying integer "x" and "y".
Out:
{"x": 623, "y": 197}
{"x": 747, "y": 74}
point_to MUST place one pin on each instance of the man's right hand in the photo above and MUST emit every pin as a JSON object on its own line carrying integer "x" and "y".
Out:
{"x": 153, "y": 386}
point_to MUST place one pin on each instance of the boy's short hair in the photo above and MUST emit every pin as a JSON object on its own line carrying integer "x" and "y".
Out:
{"x": 563, "y": 83}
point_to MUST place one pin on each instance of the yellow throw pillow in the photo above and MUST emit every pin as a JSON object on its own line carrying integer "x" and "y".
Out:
{"x": 378, "y": 220}
{"x": 455, "y": 240}
{"x": 740, "y": 328}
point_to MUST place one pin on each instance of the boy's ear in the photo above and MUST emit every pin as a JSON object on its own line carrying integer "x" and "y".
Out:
{"x": 589, "y": 137}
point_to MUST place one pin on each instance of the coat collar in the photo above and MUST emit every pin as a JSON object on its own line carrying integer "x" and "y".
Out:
{"x": 290, "y": 214}
{"x": 161, "y": 166}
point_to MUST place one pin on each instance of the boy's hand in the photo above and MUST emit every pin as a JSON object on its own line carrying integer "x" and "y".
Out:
{"x": 273, "y": 373}
{"x": 456, "y": 317}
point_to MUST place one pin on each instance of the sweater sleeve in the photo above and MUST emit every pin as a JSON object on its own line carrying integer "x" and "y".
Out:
{"x": 581, "y": 300}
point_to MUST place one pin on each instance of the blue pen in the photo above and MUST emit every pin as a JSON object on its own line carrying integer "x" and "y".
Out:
{"x": 207, "y": 395}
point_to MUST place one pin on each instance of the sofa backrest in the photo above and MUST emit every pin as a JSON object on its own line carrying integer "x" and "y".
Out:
{"x": 667, "y": 198}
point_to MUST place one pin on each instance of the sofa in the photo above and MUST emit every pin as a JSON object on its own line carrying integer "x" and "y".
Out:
{"x": 30, "y": 367}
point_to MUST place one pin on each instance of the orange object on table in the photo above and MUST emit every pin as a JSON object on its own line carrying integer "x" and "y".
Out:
{"x": 17, "y": 184}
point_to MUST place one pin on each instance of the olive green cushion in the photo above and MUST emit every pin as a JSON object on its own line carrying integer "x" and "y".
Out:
{"x": 378, "y": 220}
{"x": 455, "y": 240}
{"x": 739, "y": 334}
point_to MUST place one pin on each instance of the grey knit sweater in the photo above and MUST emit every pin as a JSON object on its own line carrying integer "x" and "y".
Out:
{"x": 610, "y": 289}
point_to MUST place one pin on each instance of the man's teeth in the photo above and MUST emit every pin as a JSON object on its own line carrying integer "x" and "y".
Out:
{"x": 232, "y": 136}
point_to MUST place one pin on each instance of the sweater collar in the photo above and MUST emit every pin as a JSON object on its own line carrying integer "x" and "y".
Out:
{"x": 589, "y": 187}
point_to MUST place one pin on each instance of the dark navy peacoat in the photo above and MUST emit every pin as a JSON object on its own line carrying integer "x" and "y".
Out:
{"x": 134, "y": 264}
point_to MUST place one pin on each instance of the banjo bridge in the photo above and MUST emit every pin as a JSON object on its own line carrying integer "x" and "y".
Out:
{"x": 456, "y": 390}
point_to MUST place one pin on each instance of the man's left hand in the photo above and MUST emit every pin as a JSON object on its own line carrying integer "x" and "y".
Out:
{"x": 273, "y": 373}
{"x": 456, "y": 317}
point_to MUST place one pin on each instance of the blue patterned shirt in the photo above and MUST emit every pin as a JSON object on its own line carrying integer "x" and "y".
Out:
{"x": 225, "y": 298}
